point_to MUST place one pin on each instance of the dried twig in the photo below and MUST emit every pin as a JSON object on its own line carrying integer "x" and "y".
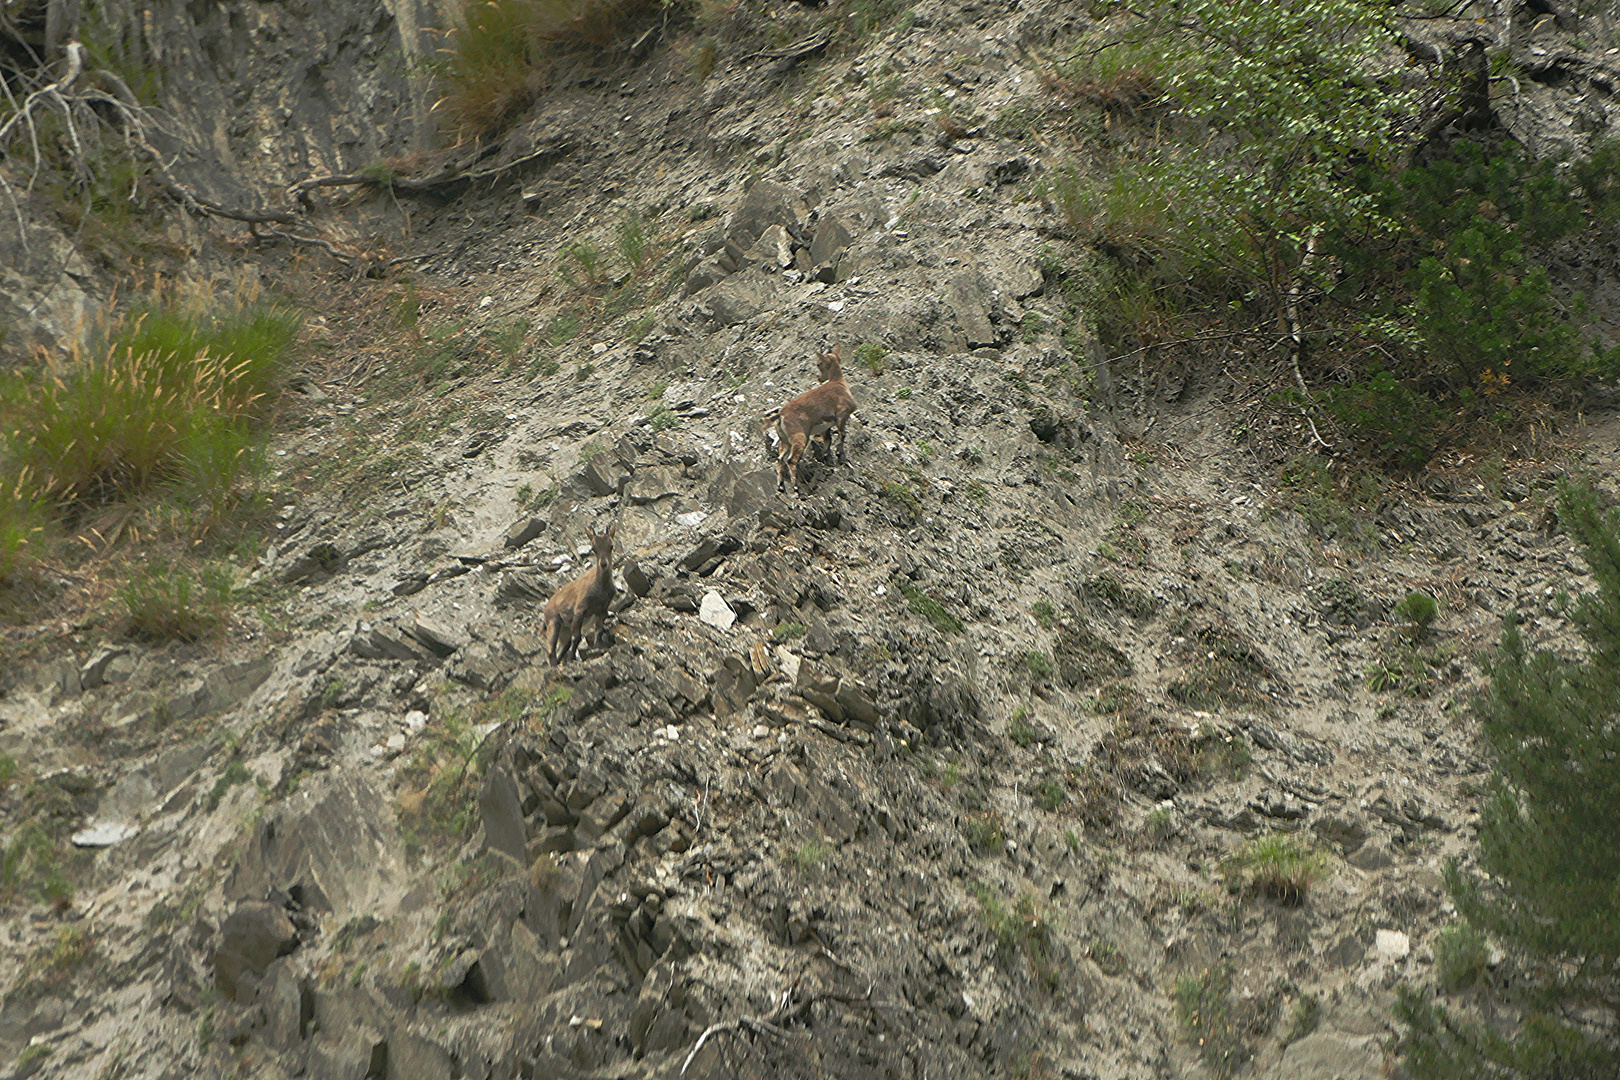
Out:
{"x": 451, "y": 174}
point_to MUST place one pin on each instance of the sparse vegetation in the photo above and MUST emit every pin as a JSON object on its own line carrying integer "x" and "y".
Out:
{"x": 787, "y": 631}
{"x": 1419, "y": 610}
{"x": 1303, "y": 1018}
{"x": 929, "y": 608}
{"x": 808, "y": 857}
{"x": 165, "y": 603}
{"x": 171, "y": 397}
{"x": 1281, "y": 867}
{"x": 984, "y": 832}
{"x": 871, "y": 355}
{"x": 235, "y": 773}
{"x": 501, "y": 57}
{"x": 1019, "y": 729}
{"x": 1020, "y": 927}
{"x": 1044, "y": 614}
{"x": 1205, "y": 1012}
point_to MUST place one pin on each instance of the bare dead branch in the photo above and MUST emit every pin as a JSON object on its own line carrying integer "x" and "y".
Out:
{"x": 312, "y": 241}
{"x": 451, "y": 174}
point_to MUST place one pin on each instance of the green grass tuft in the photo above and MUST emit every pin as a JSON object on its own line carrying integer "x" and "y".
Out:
{"x": 167, "y": 604}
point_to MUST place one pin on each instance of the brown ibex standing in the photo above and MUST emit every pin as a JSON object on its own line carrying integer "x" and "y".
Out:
{"x": 586, "y": 597}
{"x": 812, "y": 413}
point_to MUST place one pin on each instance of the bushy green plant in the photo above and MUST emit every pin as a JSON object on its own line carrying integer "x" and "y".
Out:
{"x": 634, "y": 242}
{"x": 1299, "y": 96}
{"x": 1548, "y": 843}
{"x": 929, "y": 608}
{"x": 1461, "y": 954}
{"x": 1050, "y": 795}
{"x": 1400, "y": 425}
{"x": 983, "y": 831}
{"x": 808, "y": 857}
{"x": 871, "y": 354}
{"x": 1419, "y": 609}
{"x": 1020, "y": 730}
{"x": 173, "y": 394}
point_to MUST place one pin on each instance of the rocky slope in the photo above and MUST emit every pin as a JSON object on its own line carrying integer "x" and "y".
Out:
{"x": 935, "y": 772}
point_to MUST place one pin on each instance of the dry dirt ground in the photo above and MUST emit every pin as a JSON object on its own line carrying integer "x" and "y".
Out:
{"x": 938, "y": 771}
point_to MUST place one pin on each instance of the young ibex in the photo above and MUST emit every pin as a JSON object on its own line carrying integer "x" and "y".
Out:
{"x": 812, "y": 413}
{"x": 586, "y": 597}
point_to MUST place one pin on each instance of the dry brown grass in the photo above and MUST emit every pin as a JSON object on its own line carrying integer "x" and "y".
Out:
{"x": 501, "y": 58}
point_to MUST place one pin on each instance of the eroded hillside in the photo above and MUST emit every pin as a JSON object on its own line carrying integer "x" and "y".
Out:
{"x": 980, "y": 759}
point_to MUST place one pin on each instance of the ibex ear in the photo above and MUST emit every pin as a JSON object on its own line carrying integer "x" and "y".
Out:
{"x": 611, "y": 531}
{"x": 838, "y": 352}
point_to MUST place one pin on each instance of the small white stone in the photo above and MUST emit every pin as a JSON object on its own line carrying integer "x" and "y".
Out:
{"x": 761, "y": 731}
{"x": 416, "y": 719}
{"x": 691, "y": 519}
{"x": 487, "y": 302}
{"x": 1392, "y": 944}
{"x": 790, "y": 663}
{"x": 396, "y": 742}
{"x": 103, "y": 834}
{"x": 716, "y": 612}
{"x": 599, "y": 348}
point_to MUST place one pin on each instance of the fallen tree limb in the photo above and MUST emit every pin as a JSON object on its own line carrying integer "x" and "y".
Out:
{"x": 421, "y": 185}
{"x": 312, "y": 241}
{"x": 800, "y": 48}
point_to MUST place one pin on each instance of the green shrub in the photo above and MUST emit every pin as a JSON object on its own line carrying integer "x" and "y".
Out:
{"x": 1020, "y": 730}
{"x": 1050, "y": 795}
{"x": 583, "y": 254}
{"x": 500, "y": 57}
{"x": 1044, "y": 614}
{"x": 1020, "y": 928}
{"x": 872, "y": 355}
{"x": 235, "y": 773}
{"x": 787, "y": 631}
{"x": 929, "y": 608}
{"x": 808, "y": 857}
{"x": 164, "y": 603}
{"x": 634, "y": 243}
{"x": 1039, "y": 664}
{"x": 24, "y": 518}
{"x": 1419, "y": 609}
{"x": 1548, "y": 843}
{"x": 1401, "y": 426}
{"x": 1461, "y": 955}
{"x": 1303, "y": 1019}
{"x": 173, "y": 396}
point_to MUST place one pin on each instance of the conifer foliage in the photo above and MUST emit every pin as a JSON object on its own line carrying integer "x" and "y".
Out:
{"x": 1549, "y": 850}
